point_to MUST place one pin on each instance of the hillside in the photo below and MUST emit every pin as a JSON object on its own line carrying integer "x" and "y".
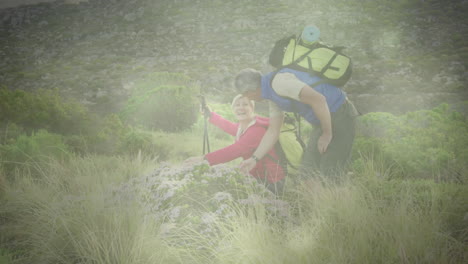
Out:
{"x": 407, "y": 55}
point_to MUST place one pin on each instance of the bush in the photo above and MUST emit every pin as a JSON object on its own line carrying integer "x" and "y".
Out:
{"x": 162, "y": 101}
{"x": 39, "y": 147}
{"x": 44, "y": 109}
{"x": 421, "y": 144}
{"x": 140, "y": 141}
{"x": 23, "y": 113}
{"x": 9, "y": 132}
{"x": 106, "y": 136}
{"x": 5, "y": 256}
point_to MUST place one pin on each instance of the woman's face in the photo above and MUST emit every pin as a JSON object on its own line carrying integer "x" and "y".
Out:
{"x": 243, "y": 109}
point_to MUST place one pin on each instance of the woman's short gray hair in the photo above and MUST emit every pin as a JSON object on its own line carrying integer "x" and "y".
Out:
{"x": 248, "y": 80}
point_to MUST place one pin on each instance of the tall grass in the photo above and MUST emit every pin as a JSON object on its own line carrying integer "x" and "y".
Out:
{"x": 66, "y": 216}
{"x": 347, "y": 224}
{"x": 69, "y": 215}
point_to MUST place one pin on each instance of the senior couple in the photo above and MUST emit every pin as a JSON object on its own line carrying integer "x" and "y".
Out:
{"x": 324, "y": 106}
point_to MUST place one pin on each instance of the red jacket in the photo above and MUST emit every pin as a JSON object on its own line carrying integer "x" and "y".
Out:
{"x": 245, "y": 146}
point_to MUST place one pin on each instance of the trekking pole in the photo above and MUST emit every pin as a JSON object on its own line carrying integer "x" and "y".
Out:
{"x": 206, "y": 141}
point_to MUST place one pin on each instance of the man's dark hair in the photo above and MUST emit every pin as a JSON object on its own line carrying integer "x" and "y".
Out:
{"x": 248, "y": 80}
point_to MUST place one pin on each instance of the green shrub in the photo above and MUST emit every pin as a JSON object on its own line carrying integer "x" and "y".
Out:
{"x": 9, "y": 132}
{"x": 24, "y": 113}
{"x": 111, "y": 136}
{"x": 5, "y": 256}
{"x": 106, "y": 136}
{"x": 422, "y": 144}
{"x": 39, "y": 147}
{"x": 162, "y": 101}
{"x": 137, "y": 140}
{"x": 145, "y": 142}
{"x": 44, "y": 109}
{"x": 371, "y": 158}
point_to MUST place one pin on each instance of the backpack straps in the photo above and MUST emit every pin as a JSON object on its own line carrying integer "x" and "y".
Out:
{"x": 309, "y": 60}
{"x": 327, "y": 66}
{"x": 294, "y": 63}
{"x": 298, "y": 131}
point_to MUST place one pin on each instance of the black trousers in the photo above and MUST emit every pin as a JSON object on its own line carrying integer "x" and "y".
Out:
{"x": 333, "y": 163}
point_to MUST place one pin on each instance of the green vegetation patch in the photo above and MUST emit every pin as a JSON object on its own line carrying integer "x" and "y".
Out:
{"x": 162, "y": 101}
{"x": 430, "y": 144}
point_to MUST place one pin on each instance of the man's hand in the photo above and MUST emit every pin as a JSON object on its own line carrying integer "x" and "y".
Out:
{"x": 319, "y": 105}
{"x": 247, "y": 165}
{"x": 323, "y": 142}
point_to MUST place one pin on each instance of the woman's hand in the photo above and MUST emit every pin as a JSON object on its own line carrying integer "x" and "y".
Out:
{"x": 247, "y": 165}
{"x": 205, "y": 111}
{"x": 194, "y": 160}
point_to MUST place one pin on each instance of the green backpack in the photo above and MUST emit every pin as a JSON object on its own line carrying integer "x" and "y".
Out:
{"x": 320, "y": 59}
{"x": 290, "y": 147}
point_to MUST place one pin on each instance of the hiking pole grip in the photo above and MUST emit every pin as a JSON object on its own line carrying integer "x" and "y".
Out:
{"x": 206, "y": 141}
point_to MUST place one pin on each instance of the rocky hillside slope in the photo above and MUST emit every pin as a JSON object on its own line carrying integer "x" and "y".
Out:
{"x": 407, "y": 54}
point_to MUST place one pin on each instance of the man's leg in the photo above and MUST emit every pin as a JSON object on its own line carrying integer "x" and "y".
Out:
{"x": 332, "y": 164}
{"x": 335, "y": 160}
{"x": 311, "y": 159}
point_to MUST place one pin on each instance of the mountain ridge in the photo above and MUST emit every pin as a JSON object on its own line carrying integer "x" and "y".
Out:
{"x": 96, "y": 50}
